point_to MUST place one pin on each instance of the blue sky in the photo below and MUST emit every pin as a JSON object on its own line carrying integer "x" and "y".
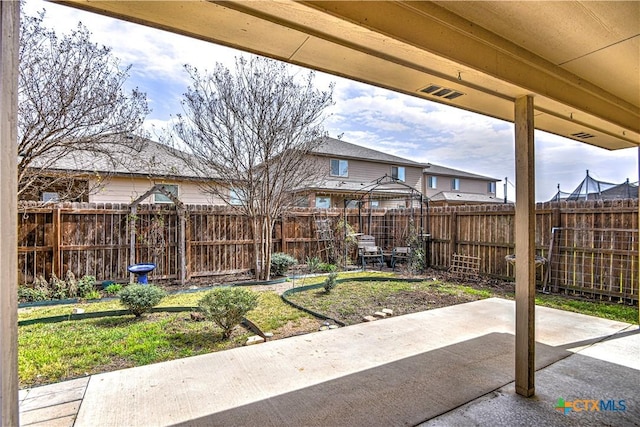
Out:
{"x": 398, "y": 124}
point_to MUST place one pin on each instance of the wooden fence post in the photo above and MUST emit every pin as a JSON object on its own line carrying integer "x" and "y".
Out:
{"x": 187, "y": 245}
{"x": 453, "y": 235}
{"x": 56, "y": 242}
{"x": 132, "y": 239}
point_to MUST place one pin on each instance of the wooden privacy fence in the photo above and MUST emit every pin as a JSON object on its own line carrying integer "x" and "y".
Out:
{"x": 593, "y": 250}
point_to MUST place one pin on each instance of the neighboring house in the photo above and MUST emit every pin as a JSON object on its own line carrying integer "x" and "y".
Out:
{"x": 354, "y": 173}
{"x": 125, "y": 174}
{"x": 445, "y": 186}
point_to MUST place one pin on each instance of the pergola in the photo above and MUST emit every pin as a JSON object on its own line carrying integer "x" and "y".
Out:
{"x": 570, "y": 68}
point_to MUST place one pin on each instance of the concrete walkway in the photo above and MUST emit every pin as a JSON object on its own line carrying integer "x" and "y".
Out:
{"x": 450, "y": 366}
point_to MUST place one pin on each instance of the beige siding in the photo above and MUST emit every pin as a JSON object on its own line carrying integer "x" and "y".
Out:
{"x": 467, "y": 185}
{"x": 127, "y": 189}
{"x": 365, "y": 171}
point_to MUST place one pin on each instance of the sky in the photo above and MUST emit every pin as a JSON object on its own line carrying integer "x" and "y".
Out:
{"x": 380, "y": 119}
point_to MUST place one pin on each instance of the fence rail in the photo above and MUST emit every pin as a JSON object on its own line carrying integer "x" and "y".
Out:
{"x": 591, "y": 247}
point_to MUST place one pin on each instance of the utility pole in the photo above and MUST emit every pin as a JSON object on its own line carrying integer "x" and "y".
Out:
{"x": 506, "y": 181}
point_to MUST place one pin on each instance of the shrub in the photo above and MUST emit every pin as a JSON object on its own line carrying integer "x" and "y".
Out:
{"x": 313, "y": 264}
{"x": 280, "y": 263}
{"x": 27, "y": 294}
{"x": 227, "y": 306}
{"x": 330, "y": 282}
{"x": 141, "y": 298}
{"x": 113, "y": 289}
{"x": 327, "y": 268}
{"x": 86, "y": 285}
{"x": 94, "y": 294}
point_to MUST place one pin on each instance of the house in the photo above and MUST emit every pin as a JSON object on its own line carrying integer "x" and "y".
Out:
{"x": 359, "y": 174}
{"x": 354, "y": 174}
{"x": 124, "y": 174}
{"x": 446, "y": 186}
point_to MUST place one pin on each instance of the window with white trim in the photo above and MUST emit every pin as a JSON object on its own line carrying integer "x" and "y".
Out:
{"x": 455, "y": 184}
{"x": 161, "y": 198}
{"x": 339, "y": 167}
{"x": 491, "y": 187}
{"x": 397, "y": 172}
{"x": 433, "y": 182}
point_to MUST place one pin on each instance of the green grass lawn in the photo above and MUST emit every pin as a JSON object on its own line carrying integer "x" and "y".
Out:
{"x": 52, "y": 352}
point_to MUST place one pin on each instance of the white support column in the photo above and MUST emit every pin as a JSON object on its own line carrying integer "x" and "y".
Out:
{"x": 525, "y": 247}
{"x": 9, "y": 44}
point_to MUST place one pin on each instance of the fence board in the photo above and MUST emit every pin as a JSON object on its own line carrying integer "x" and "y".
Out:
{"x": 595, "y": 249}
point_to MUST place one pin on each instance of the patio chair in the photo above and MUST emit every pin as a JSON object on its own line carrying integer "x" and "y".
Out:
{"x": 400, "y": 254}
{"x": 368, "y": 251}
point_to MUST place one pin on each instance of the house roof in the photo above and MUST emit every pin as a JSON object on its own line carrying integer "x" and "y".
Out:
{"x": 438, "y": 170}
{"x": 387, "y": 190}
{"x": 332, "y": 147}
{"x": 456, "y": 197}
{"x": 141, "y": 157}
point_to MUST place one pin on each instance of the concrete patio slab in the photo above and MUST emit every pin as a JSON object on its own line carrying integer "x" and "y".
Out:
{"x": 370, "y": 364}
{"x": 402, "y": 370}
{"x": 588, "y": 375}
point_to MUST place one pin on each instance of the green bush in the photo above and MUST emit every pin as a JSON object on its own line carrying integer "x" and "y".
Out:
{"x": 327, "y": 268}
{"x": 57, "y": 288}
{"x": 330, "y": 282}
{"x": 227, "y": 306}
{"x": 113, "y": 289}
{"x": 280, "y": 263}
{"x": 94, "y": 294}
{"x": 141, "y": 298}
{"x": 86, "y": 286}
{"x": 27, "y": 294}
{"x": 313, "y": 264}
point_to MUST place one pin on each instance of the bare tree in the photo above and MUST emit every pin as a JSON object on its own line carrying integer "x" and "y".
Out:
{"x": 71, "y": 101}
{"x": 253, "y": 131}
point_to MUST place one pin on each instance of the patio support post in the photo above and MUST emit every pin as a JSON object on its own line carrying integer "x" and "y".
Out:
{"x": 525, "y": 223}
{"x": 9, "y": 44}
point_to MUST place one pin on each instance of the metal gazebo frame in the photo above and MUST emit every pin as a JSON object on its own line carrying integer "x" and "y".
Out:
{"x": 381, "y": 185}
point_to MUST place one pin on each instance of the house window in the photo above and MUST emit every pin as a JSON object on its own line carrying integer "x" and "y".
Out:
{"x": 397, "y": 172}
{"x": 235, "y": 197}
{"x": 491, "y": 187}
{"x": 49, "y": 196}
{"x": 433, "y": 182}
{"x": 455, "y": 184}
{"x": 161, "y": 198}
{"x": 375, "y": 203}
{"x": 323, "y": 202}
{"x": 339, "y": 167}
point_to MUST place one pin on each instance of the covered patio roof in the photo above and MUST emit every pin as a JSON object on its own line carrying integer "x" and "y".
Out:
{"x": 570, "y": 68}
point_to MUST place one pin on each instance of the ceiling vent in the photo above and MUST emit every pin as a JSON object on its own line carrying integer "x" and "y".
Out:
{"x": 582, "y": 135}
{"x": 441, "y": 92}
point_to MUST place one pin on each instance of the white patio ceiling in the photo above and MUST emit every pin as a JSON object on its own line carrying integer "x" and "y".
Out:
{"x": 580, "y": 60}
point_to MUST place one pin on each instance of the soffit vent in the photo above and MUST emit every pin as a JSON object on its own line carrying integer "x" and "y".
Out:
{"x": 441, "y": 92}
{"x": 582, "y": 135}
